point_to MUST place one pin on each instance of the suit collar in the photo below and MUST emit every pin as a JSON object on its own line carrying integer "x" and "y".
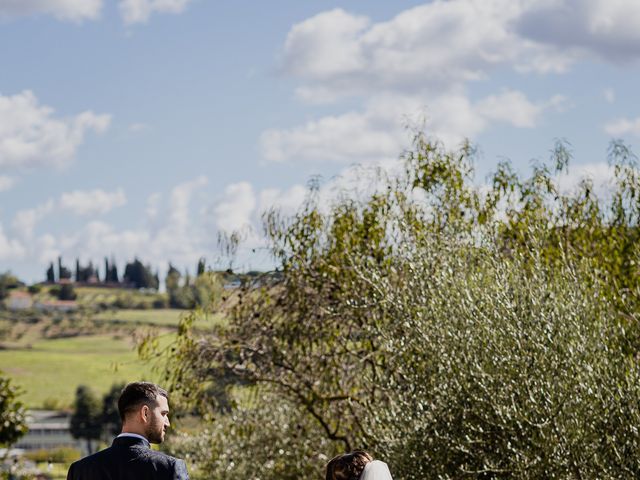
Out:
{"x": 129, "y": 440}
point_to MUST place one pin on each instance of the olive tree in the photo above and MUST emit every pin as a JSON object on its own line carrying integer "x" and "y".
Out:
{"x": 455, "y": 331}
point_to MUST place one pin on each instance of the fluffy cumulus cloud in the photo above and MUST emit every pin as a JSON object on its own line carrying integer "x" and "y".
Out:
{"x": 180, "y": 225}
{"x": 25, "y": 221}
{"x": 351, "y": 137}
{"x": 426, "y": 57}
{"x": 30, "y": 135}
{"x": 286, "y": 201}
{"x": 622, "y": 127}
{"x": 78, "y": 202}
{"x": 379, "y": 132}
{"x": 440, "y": 44}
{"x": 92, "y": 202}
{"x": 513, "y": 107}
{"x": 73, "y": 10}
{"x": 10, "y": 248}
{"x": 174, "y": 231}
{"x": 432, "y": 46}
{"x": 234, "y": 210}
{"x": 139, "y": 11}
{"x": 601, "y": 175}
{"x": 609, "y": 29}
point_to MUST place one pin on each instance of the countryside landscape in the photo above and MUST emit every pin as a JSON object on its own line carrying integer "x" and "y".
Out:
{"x": 77, "y": 330}
{"x": 287, "y": 240}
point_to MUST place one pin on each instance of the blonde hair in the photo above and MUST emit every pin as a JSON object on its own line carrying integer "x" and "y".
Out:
{"x": 348, "y": 466}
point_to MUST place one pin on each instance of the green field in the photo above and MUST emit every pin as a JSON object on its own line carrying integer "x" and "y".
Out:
{"x": 50, "y": 370}
{"x": 49, "y": 354}
{"x": 161, "y": 317}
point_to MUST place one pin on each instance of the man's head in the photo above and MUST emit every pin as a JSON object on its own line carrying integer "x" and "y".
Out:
{"x": 144, "y": 409}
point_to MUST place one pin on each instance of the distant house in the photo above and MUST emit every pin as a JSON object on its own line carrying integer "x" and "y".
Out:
{"x": 48, "y": 429}
{"x": 19, "y": 300}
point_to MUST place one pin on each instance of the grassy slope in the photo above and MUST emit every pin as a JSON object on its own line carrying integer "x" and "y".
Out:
{"x": 50, "y": 371}
{"x": 161, "y": 317}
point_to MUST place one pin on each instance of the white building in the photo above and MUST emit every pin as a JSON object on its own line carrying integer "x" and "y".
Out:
{"x": 48, "y": 430}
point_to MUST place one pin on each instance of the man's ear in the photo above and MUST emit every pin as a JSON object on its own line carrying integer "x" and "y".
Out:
{"x": 144, "y": 413}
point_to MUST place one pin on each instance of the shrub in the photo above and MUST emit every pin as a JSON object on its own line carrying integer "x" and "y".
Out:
{"x": 453, "y": 332}
{"x": 64, "y": 455}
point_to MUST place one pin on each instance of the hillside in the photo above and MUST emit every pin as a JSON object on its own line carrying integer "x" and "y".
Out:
{"x": 50, "y": 347}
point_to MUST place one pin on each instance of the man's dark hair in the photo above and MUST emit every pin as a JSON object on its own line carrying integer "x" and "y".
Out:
{"x": 136, "y": 394}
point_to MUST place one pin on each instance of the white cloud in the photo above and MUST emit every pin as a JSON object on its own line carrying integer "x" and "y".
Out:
{"x": 180, "y": 199}
{"x": 153, "y": 205}
{"x": 25, "y": 221}
{"x": 326, "y": 46}
{"x": 97, "y": 239}
{"x": 623, "y": 126}
{"x": 607, "y": 29}
{"x": 92, "y": 202}
{"x": 46, "y": 248}
{"x": 376, "y": 133}
{"x": 601, "y": 175}
{"x": 139, "y": 11}
{"x": 73, "y": 10}
{"x": 420, "y": 60}
{"x": 176, "y": 236}
{"x": 79, "y": 202}
{"x": 379, "y": 132}
{"x": 433, "y": 47}
{"x": 6, "y": 183}
{"x": 287, "y": 201}
{"x": 10, "y": 249}
{"x": 235, "y": 209}
{"x": 31, "y": 137}
{"x": 514, "y": 108}
{"x": 443, "y": 45}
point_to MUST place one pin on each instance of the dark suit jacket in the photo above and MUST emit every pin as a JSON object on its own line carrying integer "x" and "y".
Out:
{"x": 128, "y": 458}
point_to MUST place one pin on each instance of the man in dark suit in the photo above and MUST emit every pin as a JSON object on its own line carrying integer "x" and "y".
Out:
{"x": 144, "y": 410}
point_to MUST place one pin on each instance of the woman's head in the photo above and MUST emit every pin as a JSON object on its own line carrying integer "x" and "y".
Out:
{"x": 348, "y": 466}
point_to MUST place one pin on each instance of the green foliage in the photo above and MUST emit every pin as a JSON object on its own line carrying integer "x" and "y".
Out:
{"x": 86, "y": 273}
{"x": 86, "y": 416}
{"x": 67, "y": 292}
{"x": 110, "y": 417}
{"x": 269, "y": 439}
{"x": 140, "y": 276}
{"x": 51, "y": 276}
{"x": 110, "y": 271}
{"x": 7, "y": 282}
{"x": 12, "y": 414}
{"x": 205, "y": 291}
{"x": 455, "y": 331}
{"x": 66, "y": 455}
{"x": 63, "y": 272}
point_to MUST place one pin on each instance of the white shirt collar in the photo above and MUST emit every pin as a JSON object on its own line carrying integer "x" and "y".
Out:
{"x": 134, "y": 435}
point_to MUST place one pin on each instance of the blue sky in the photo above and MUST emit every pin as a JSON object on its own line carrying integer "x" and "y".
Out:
{"x": 145, "y": 127}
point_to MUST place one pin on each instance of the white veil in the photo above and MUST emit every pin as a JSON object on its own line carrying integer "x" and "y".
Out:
{"x": 376, "y": 470}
